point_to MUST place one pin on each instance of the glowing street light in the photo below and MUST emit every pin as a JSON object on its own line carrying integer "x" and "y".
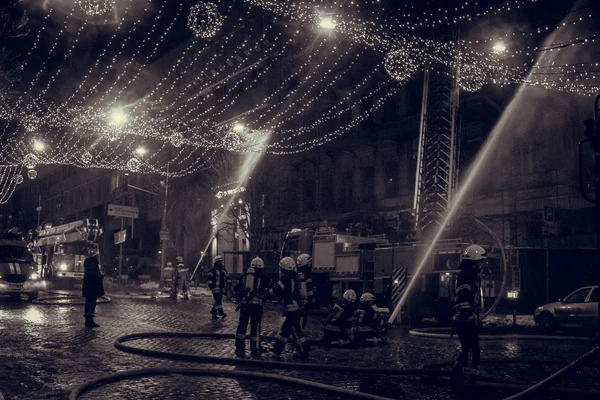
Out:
{"x": 141, "y": 151}
{"x": 327, "y": 23}
{"x": 38, "y": 145}
{"x": 118, "y": 117}
{"x": 499, "y": 47}
{"x": 238, "y": 127}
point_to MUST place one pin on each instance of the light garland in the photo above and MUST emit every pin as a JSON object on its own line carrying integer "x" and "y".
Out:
{"x": 205, "y": 20}
{"x": 95, "y": 7}
{"x": 191, "y": 109}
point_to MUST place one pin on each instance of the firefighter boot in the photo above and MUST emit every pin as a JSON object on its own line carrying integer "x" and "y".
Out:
{"x": 240, "y": 344}
{"x": 278, "y": 348}
{"x": 304, "y": 350}
{"x": 89, "y": 322}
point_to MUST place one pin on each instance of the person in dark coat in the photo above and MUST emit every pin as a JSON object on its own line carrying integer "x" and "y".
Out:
{"x": 92, "y": 285}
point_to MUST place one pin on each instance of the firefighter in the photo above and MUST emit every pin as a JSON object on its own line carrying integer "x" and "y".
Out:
{"x": 368, "y": 323}
{"x": 218, "y": 281}
{"x": 466, "y": 318}
{"x": 304, "y": 263}
{"x": 250, "y": 292}
{"x": 290, "y": 290}
{"x": 92, "y": 285}
{"x": 169, "y": 275}
{"x": 182, "y": 279}
{"x": 339, "y": 324}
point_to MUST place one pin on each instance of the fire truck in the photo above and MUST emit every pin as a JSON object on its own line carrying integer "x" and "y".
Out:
{"x": 341, "y": 261}
{"x": 61, "y": 250}
{"x": 18, "y": 272}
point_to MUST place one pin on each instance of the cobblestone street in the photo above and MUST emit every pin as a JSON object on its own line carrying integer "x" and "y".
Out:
{"x": 47, "y": 351}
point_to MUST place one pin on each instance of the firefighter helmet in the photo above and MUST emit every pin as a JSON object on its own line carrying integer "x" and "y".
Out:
{"x": 474, "y": 252}
{"x": 169, "y": 264}
{"x": 218, "y": 259}
{"x": 257, "y": 263}
{"x": 179, "y": 259}
{"x": 287, "y": 264}
{"x": 350, "y": 295}
{"x": 366, "y": 297}
{"x": 92, "y": 251}
{"x": 303, "y": 260}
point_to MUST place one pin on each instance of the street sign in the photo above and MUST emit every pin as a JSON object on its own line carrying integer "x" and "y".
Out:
{"x": 549, "y": 214}
{"x": 117, "y": 210}
{"x": 120, "y": 237}
{"x": 549, "y": 222}
{"x": 164, "y": 234}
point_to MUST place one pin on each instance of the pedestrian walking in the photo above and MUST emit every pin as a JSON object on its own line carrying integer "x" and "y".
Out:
{"x": 218, "y": 280}
{"x": 92, "y": 285}
{"x": 466, "y": 320}
{"x": 182, "y": 278}
{"x": 289, "y": 290}
{"x": 250, "y": 292}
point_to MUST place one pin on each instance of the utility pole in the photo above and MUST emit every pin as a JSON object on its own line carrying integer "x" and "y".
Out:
{"x": 592, "y": 133}
{"x": 164, "y": 231}
{"x": 39, "y": 211}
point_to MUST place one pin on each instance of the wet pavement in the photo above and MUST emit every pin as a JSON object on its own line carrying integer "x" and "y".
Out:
{"x": 47, "y": 351}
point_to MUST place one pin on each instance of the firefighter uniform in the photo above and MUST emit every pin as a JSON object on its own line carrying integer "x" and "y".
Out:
{"x": 304, "y": 266}
{"x": 250, "y": 292}
{"x": 290, "y": 290}
{"x": 169, "y": 276}
{"x": 466, "y": 317}
{"x": 368, "y": 322}
{"x": 218, "y": 280}
{"x": 182, "y": 281}
{"x": 339, "y": 324}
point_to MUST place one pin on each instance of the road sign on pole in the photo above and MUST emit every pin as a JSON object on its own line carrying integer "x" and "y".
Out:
{"x": 164, "y": 234}
{"x": 120, "y": 237}
{"x": 117, "y": 210}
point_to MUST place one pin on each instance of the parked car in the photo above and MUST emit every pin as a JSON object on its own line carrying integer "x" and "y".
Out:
{"x": 579, "y": 309}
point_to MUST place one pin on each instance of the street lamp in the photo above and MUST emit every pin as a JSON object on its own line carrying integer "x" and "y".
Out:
{"x": 327, "y": 23}
{"x": 118, "y": 117}
{"x": 499, "y": 47}
{"x": 238, "y": 127}
{"x": 38, "y": 145}
{"x": 141, "y": 151}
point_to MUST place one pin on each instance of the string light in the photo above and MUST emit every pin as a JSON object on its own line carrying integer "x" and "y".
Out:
{"x": 205, "y": 20}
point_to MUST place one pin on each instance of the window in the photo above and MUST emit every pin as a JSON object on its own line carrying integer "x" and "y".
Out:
{"x": 308, "y": 195}
{"x": 594, "y": 296}
{"x": 577, "y": 297}
{"x": 346, "y": 191}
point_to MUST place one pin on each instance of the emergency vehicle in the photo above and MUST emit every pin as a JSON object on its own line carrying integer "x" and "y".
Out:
{"x": 341, "y": 261}
{"x": 61, "y": 250}
{"x": 18, "y": 271}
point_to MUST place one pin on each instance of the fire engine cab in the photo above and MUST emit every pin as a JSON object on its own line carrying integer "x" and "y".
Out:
{"x": 18, "y": 275}
{"x": 61, "y": 250}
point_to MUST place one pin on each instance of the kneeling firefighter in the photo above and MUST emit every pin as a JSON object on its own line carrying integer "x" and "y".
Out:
{"x": 369, "y": 326}
{"x": 218, "y": 280}
{"x": 291, "y": 289}
{"x": 466, "y": 316}
{"x": 339, "y": 324}
{"x": 250, "y": 292}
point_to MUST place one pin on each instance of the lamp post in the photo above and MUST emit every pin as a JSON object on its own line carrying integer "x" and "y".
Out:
{"x": 164, "y": 231}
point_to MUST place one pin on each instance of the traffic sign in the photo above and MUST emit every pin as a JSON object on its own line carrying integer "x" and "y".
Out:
{"x": 164, "y": 234}
{"x": 120, "y": 237}
{"x": 117, "y": 210}
{"x": 549, "y": 214}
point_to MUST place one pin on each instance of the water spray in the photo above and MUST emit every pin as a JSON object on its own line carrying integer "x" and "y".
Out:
{"x": 482, "y": 156}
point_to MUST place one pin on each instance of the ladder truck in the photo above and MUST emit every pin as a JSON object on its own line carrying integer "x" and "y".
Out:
{"x": 61, "y": 250}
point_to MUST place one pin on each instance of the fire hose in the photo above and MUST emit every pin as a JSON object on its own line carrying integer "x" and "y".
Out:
{"x": 431, "y": 371}
{"x": 66, "y": 299}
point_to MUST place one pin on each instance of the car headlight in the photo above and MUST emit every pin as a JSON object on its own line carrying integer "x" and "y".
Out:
{"x": 62, "y": 267}
{"x": 34, "y": 276}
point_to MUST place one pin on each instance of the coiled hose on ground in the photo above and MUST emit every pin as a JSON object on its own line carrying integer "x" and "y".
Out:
{"x": 431, "y": 370}
{"x": 66, "y": 299}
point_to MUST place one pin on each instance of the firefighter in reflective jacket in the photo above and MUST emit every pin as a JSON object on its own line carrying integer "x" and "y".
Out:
{"x": 339, "y": 324}
{"x": 466, "y": 316}
{"x": 304, "y": 264}
{"x": 368, "y": 323}
{"x": 292, "y": 291}
{"x": 217, "y": 281}
{"x": 250, "y": 292}
{"x": 169, "y": 277}
{"x": 182, "y": 281}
